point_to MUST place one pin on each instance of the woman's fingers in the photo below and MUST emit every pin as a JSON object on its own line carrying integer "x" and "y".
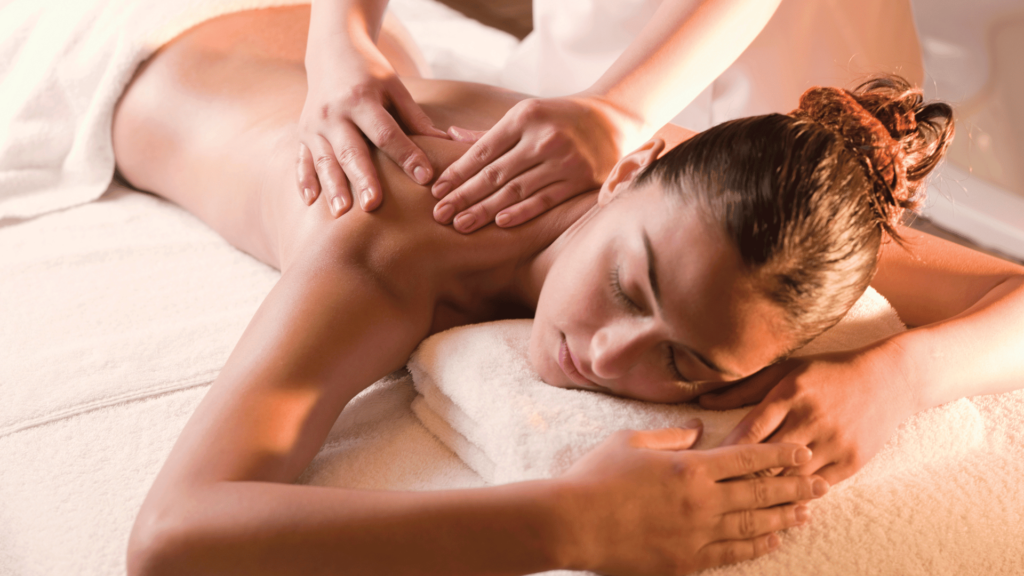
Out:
{"x": 667, "y": 438}
{"x": 767, "y": 492}
{"x": 473, "y": 162}
{"x": 748, "y": 391}
{"x": 332, "y": 178}
{"x": 758, "y": 424}
{"x": 385, "y": 133}
{"x": 735, "y": 461}
{"x": 733, "y": 551}
{"x": 747, "y": 524}
{"x": 309, "y": 184}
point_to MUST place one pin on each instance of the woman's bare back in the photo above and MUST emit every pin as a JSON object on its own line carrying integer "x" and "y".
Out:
{"x": 210, "y": 123}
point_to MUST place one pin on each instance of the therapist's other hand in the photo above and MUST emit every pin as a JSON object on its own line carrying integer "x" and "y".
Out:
{"x": 844, "y": 406}
{"x": 642, "y": 503}
{"x": 542, "y": 152}
{"x": 354, "y": 93}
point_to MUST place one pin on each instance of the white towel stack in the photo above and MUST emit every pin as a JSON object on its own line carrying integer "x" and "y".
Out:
{"x": 480, "y": 396}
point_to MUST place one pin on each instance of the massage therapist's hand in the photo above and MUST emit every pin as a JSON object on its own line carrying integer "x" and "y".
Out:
{"x": 542, "y": 152}
{"x": 354, "y": 93}
{"x": 844, "y": 406}
{"x": 643, "y": 503}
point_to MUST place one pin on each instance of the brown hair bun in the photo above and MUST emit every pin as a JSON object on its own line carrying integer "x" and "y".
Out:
{"x": 898, "y": 138}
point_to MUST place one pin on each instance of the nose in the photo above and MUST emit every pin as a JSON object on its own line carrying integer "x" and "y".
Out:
{"x": 616, "y": 347}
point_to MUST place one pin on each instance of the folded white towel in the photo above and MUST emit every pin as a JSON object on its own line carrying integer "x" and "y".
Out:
{"x": 480, "y": 396}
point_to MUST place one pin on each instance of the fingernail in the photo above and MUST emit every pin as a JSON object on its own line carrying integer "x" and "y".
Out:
{"x": 307, "y": 195}
{"x": 440, "y": 189}
{"x": 819, "y": 487}
{"x": 693, "y": 424}
{"x": 802, "y": 455}
{"x": 337, "y": 205}
{"x": 503, "y": 219}
{"x": 773, "y": 542}
{"x": 444, "y": 213}
{"x": 465, "y": 221}
{"x": 366, "y": 197}
{"x": 802, "y": 514}
{"x": 420, "y": 174}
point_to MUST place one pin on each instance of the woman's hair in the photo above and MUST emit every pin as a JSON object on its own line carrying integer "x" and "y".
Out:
{"x": 808, "y": 197}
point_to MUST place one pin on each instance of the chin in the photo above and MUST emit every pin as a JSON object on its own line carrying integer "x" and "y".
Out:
{"x": 539, "y": 361}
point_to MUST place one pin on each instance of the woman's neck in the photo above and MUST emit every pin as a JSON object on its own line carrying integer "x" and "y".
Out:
{"x": 529, "y": 277}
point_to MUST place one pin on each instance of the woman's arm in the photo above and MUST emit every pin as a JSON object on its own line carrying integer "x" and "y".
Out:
{"x": 965, "y": 310}
{"x": 223, "y": 502}
{"x": 967, "y": 313}
{"x": 547, "y": 150}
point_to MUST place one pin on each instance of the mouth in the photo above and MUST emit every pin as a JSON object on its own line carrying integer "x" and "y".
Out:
{"x": 568, "y": 363}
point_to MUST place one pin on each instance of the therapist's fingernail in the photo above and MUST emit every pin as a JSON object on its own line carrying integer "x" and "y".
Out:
{"x": 503, "y": 219}
{"x": 440, "y": 189}
{"x": 773, "y": 542}
{"x": 802, "y": 455}
{"x": 819, "y": 487}
{"x": 693, "y": 424}
{"x": 307, "y": 195}
{"x": 444, "y": 213}
{"x": 465, "y": 221}
{"x": 337, "y": 205}
{"x": 421, "y": 175}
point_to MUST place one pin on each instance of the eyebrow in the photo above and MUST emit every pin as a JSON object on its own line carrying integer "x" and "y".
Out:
{"x": 652, "y": 275}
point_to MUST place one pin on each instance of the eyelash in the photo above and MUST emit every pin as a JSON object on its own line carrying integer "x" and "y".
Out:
{"x": 620, "y": 294}
{"x": 628, "y": 302}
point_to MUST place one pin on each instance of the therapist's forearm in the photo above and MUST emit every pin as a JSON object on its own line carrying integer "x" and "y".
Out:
{"x": 684, "y": 47}
{"x": 980, "y": 351}
{"x": 335, "y": 22}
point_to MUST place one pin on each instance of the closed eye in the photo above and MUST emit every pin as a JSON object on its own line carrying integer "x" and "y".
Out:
{"x": 673, "y": 368}
{"x": 620, "y": 295}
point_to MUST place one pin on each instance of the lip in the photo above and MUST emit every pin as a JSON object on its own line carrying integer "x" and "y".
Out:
{"x": 568, "y": 363}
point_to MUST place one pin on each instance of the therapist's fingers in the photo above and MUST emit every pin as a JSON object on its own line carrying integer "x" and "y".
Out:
{"x": 538, "y": 203}
{"x": 513, "y": 192}
{"x": 309, "y": 184}
{"x": 478, "y": 162}
{"x": 465, "y": 135}
{"x": 753, "y": 523}
{"x": 385, "y": 133}
{"x": 332, "y": 179}
{"x": 353, "y": 155}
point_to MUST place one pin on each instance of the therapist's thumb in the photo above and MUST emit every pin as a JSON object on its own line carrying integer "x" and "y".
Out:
{"x": 465, "y": 135}
{"x": 669, "y": 438}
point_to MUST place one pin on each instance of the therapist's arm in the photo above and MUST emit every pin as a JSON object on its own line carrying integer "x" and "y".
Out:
{"x": 547, "y": 150}
{"x": 354, "y": 92}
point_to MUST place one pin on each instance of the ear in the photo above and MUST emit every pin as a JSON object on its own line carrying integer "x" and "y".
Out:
{"x": 628, "y": 168}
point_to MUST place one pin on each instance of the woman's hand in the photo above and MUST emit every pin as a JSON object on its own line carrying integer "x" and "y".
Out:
{"x": 542, "y": 152}
{"x": 644, "y": 504}
{"x": 354, "y": 91}
{"x": 844, "y": 406}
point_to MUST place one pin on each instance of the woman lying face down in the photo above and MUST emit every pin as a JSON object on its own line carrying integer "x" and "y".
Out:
{"x": 691, "y": 272}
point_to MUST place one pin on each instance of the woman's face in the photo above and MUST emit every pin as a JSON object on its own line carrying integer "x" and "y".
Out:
{"x": 647, "y": 301}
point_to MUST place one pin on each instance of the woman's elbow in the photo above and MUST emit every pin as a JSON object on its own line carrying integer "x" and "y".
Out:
{"x": 157, "y": 544}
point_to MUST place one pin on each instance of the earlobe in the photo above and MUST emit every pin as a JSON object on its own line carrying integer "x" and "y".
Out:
{"x": 628, "y": 168}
